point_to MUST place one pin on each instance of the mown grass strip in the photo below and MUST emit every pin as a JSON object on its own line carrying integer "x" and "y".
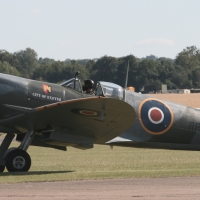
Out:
{"x": 102, "y": 162}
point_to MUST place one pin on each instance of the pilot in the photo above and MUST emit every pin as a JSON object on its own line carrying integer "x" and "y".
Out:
{"x": 88, "y": 86}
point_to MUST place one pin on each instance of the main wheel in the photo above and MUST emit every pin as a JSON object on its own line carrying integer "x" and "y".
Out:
{"x": 18, "y": 160}
{"x": 2, "y": 167}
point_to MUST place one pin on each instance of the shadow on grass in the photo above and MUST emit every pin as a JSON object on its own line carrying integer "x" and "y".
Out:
{"x": 34, "y": 173}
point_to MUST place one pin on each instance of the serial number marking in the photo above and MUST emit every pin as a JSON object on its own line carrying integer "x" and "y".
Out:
{"x": 194, "y": 126}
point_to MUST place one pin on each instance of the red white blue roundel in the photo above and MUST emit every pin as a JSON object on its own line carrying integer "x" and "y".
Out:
{"x": 155, "y": 116}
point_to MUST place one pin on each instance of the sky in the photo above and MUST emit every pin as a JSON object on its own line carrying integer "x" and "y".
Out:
{"x": 88, "y": 29}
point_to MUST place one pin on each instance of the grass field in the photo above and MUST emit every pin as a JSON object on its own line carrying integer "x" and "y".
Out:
{"x": 102, "y": 162}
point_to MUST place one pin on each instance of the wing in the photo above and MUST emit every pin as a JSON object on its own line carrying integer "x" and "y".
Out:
{"x": 100, "y": 119}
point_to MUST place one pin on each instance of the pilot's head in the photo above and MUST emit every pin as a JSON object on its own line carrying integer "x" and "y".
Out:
{"x": 88, "y": 85}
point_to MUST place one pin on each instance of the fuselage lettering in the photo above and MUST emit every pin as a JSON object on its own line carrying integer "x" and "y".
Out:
{"x": 194, "y": 126}
{"x": 46, "y": 97}
{"x": 197, "y": 127}
{"x": 36, "y": 95}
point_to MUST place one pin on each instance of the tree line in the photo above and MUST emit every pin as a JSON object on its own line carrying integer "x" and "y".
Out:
{"x": 149, "y": 72}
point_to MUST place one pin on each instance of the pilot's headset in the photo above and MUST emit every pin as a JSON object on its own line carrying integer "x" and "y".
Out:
{"x": 88, "y": 84}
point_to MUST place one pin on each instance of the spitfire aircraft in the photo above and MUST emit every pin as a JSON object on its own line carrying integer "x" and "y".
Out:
{"x": 56, "y": 115}
{"x": 51, "y": 115}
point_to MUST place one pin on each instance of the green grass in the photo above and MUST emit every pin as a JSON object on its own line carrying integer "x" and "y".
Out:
{"x": 102, "y": 162}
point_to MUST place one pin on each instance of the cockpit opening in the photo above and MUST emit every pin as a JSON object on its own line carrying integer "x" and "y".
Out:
{"x": 105, "y": 89}
{"x": 73, "y": 83}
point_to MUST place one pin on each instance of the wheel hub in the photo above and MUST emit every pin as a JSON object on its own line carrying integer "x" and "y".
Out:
{"x": 19, "y": 162}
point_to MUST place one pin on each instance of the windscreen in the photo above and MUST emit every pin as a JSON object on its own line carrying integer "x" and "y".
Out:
{"x": 111, "y": 90}
{"x": 73, "y": 84}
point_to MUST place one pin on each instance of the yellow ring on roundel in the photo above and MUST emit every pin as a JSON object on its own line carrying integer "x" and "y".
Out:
{"x": 140, "y": 119}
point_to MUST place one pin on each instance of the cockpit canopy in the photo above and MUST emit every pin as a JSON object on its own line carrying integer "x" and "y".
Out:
{"x": 73, "y": 83}
{"x": 108, "y": 89}
{"x": 105, "y": 89}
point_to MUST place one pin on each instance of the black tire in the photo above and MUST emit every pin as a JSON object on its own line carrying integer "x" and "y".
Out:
{"x": 18, "y": 160}
{"x": 2, "y": 167}
{"x": 8, "y": 151}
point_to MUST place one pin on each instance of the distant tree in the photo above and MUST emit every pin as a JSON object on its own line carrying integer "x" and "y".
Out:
{"x": 45, "y": 60}
{"x": 105, "y": 69}
{"x": 42, "y": 72}
{"x": 89, "y": 68}
{"x": 83, "y": 62}
{"x": 122, "y": 69}
{"x": 166, "y": 71}
{"x": 51, "y": 72}
{"x": 6, "y": 56}
{"x": 151, "y": 71}
{"x": 196, "y": 78}
{"x": 151, "y": 57}
{"x": 25, "y": 61}
{"x": 74, "y": 66}
{"x": 188, "y": 58}
{"x": 180, "y": 78}
{"x": 56, "y": 73}
{"x": 170, "y": 84}
{"x": 166, "y": 59}
{"x": 67, "y": 61}
{"x": 153, "y": 85}
{"x": 148, "y": 73}
{"x": 6, "y": 68}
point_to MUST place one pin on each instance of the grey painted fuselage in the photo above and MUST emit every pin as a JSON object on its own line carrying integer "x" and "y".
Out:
{"x": 182, "y": 133}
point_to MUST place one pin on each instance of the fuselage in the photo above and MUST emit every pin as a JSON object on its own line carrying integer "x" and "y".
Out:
{"x": 161, "y": 124}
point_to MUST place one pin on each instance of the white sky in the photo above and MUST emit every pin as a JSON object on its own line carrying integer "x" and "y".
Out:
{"x": 80, "y": 29}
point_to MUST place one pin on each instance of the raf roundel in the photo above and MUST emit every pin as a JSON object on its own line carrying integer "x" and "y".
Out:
{"x": 155, "y": 116}
{"x": 86, "y": 113}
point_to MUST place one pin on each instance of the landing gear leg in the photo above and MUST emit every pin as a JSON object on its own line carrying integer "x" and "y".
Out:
{"x": 3, "y": 148}
{"x": 18, "y": 160}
